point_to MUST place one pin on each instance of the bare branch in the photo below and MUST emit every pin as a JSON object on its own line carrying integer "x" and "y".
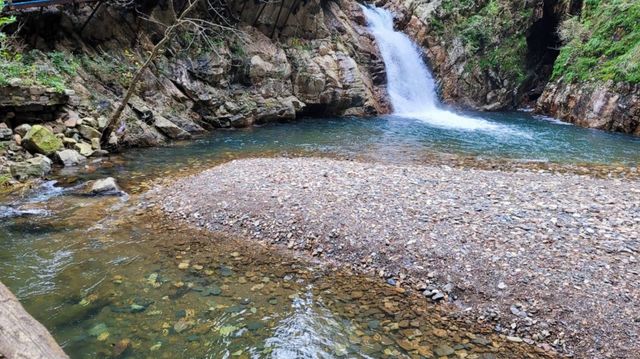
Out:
{"x": 202, "y": 31}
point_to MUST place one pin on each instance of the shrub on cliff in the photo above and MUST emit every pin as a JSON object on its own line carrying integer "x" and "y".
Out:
{"x": 33, "y": 67}
{"x": 492, "y": 32}
{"x": 4, "y": 20}
{"x": 604, "y": 45}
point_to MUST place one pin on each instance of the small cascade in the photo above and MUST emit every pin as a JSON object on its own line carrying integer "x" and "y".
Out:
{"x": 411, "y": 87}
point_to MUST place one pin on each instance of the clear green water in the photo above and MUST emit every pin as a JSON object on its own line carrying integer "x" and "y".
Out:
{"x": 515, "y": 135}
{"x": 103, "y": 274}
{"x": 109, "y": 279}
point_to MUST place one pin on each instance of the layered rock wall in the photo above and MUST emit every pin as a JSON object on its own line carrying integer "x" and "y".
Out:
{"x": 278, "y": 61}
{"x": 607, "y": 106}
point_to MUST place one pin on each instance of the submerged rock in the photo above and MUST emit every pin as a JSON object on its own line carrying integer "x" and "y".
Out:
{"x": 98, "y": 329}
{"x": 10, "y": 212}
{"x": 105, "y": 187}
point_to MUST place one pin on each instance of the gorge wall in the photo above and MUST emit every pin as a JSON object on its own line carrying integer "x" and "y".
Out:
{"x": 277, "y": 61}
{"x": 575, "y": 60}
{"x": 596, "y": 78}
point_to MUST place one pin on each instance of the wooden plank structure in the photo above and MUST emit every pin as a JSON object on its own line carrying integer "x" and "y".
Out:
{"x": 26, "y": 4}
{"x": 21, "y": 336}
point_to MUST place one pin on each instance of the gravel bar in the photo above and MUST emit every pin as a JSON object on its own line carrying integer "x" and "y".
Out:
{"x": 542, "y": 257}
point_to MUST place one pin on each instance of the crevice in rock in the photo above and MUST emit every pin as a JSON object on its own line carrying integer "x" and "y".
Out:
{"x": 314, "y": 110}
{"x": 543, "y": 47}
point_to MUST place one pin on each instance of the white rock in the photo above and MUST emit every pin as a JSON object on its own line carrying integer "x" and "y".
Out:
{"x": 70, "y": 158}
{"x": 105, "y": 187}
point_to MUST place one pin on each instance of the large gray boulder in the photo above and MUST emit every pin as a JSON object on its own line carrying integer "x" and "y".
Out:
{"x": 170, "y": 129}
{"x": 37, "y": 166}
{"x": 88, "y": 132}
{"x": 70, "y": 158}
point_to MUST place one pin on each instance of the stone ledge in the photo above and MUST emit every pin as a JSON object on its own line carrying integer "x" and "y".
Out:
{"x": 32, "y": 98}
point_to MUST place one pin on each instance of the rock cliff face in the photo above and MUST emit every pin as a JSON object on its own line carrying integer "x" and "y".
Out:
{"x": 596, "y": 76}
{"x": 607, "y": 106}
{"x": 282, "y": 60}
{"x": 501, "y": 54}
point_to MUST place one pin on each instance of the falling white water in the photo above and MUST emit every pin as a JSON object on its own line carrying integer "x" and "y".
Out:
{"x": 410, "y": 85}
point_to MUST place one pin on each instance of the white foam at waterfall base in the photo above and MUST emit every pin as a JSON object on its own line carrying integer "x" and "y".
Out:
{"x": 411, "y": 87}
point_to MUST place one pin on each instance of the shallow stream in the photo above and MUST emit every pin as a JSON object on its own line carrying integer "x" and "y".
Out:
{"x": 110, "y": 278}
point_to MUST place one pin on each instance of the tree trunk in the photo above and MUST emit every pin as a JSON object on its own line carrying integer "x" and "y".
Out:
{"x": 21, "y": 336}
{"x": 114, "y": 121}
{"x": 275, "y": 24}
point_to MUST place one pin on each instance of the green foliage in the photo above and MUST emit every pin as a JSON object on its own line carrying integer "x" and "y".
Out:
{"x": 493, "y": 33}
{"x": 111, "y": 70}
{"x": 4, "y": 20}
{"x": 33, "y": 68}
{"x": 610, "y": 48}
{"x": 4, "y": 180}
{"x": 64, "y": 62}
{"x": 237, "y": 48}
{"x": 37, "y": 68}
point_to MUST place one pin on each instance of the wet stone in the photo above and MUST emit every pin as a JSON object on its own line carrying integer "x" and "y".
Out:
{"x": 225, "y": 271}
{"x": 181, "y": 313}
{"x": 181, "y": 325}
{"x": 98, "y": 329}
{"x": 481, "y": 341}
{"x": 254, "y": 325}
{"x": 137, "y": 308}
{"x": 211, "y": 290}
{"x": 192, "y": 338}
{"x": 443, "y": 350}
{"x": 234, "y": 309}
{"x": 373, "y": 324}
{"x": 121, "y": 347}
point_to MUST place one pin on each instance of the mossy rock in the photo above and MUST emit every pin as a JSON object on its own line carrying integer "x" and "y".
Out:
{"x": 40, "y": 139}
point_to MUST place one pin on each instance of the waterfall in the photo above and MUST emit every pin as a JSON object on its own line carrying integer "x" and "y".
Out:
{"x": 411, "y": 87}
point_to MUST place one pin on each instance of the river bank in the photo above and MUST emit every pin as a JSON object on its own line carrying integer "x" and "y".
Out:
{"x": 543, "y": 257}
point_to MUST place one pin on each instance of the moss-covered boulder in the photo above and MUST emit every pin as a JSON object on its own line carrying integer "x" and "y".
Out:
{"x": 40, "y": 139}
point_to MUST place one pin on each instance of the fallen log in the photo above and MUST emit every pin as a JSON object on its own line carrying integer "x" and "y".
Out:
{"x": 21, "y": 336}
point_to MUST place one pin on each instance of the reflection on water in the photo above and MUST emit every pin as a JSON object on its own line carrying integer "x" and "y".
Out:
{"x": 517, "y": 137}
{"x": 310, "y": 330}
